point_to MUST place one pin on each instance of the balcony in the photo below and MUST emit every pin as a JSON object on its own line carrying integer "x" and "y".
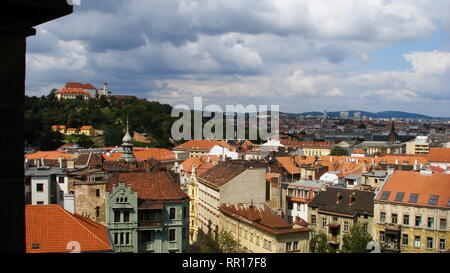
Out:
{"x": 390, "y": 247}
{"x": 154, "y": 223}
{"x": 394, "y": 228}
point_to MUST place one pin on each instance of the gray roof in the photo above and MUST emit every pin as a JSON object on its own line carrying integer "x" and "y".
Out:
{"x": 352, "y": 176}
{"x": 305, "y": 183}
{"x": 43, "y": 171}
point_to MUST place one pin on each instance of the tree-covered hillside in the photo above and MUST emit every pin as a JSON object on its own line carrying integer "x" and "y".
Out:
{"x": 109, "y": 115}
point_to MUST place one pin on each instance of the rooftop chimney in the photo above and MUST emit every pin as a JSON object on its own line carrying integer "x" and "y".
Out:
{"x": 338, "y": 197}
{"x": 351, "y": 198}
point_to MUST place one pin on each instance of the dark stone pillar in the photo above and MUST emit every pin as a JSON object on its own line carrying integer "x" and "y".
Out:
{"x": 17, "y": 19}
{"x": 12, "y": 86}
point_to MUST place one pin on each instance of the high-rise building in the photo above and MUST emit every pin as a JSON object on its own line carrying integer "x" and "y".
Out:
{"x": 357, "y": 115}
{"x": 344, "y": 115}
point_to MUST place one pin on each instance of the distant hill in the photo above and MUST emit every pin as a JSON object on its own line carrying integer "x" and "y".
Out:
{"x": 384, "y": 114}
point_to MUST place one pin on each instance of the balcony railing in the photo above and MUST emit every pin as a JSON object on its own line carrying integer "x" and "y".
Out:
{"x": 155, "y": 223}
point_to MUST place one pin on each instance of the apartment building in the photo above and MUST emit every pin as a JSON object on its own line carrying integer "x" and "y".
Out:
{"x": 419, "y": 145}
{"x": 335, "y": 210}
{"x": 298, "y": 195}
{"x": 147, "y": 212}
{"x": 258, "y": 229}
{"x": 202, "y": 147}
{"x": 412, "y": 212}
{"x": 229, "y": 182}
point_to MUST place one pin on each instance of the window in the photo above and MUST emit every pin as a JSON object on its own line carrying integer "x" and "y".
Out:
{"x": 184, "y": 212}
{"x": 290, "y": 205}
{"x": 413, "y": 198}
{"x": 127, "y": 238}
{"x": 335, "y": 218}
{"x": 406, "y": 220}
{"x": 430, "y": 223}
{"x": 172, "y": 235}
{"x": 257, "y": 240}
{"x": 295, "y": 245}
{"x": 382, "y": 236}
{"x": 60, "y": 179}
{"x": 385, "y": 195}
{"x": 324, "y": 222}
{"x": 288, "y": 246}
{"x": 39, "y": 187}
{"x": 394, "y": 218}
{"x": 433, "y": 200}
{"x": 116, "y": 238}
{"x": 382, "y": 217}
{"x": 40, "y": 203}
{"x": 313, "y": 219}
{"x": 290, "y": 219}
{"x": 97, "y": 212}
{"x": 405, "y": 239}
{"x": 417, "y": 241}
{"x": 443, "y": 223}
{"x": 126, "y": 216}
{"x": 116, "y": 216}
{"x": 442, "y": 244}
{"x": 172, "y": 213}
{"x": 429, "y": 242}
{"x": 97, "y": 192}
{"x": 418, "y": 221}
{"x": 345, "y": 226}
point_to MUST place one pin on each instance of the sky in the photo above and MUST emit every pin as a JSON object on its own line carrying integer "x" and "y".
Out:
{"x": 309, "y": 55}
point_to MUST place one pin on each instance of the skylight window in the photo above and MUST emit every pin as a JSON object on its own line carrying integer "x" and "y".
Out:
{"x": 413, "y": 198}
{"x": 433, "y": 200}
{"x": 385, "y": 195}
{"x": 399, "y": 197}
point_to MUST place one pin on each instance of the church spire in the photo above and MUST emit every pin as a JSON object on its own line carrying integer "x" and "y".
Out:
{"x": 127, "y": 147}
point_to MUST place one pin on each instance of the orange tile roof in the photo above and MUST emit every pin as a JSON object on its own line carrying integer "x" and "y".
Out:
{"x": 439, "y": 155}
{"x": 75, "y": 91}
{"x": 261, "y": 217}
{"x": 200, "y": 163}
{"x": 145, "y": 153}
{"x": 269, "y": 176}
{"x": 288, "y": 164}
{"x": 422, "y": 184}
{"x": 86, "y": 127}
{"x": 201, "y": 145}
{"x": 71, "y": 129}
{"x": 79, "y": 85}
{"x": 53, "y": 228}
{"x": 358, "y": 151}
{"x": 48, "y": 155}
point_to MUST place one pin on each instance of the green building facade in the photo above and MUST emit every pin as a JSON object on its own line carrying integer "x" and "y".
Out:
{"x": 146, "y": 225}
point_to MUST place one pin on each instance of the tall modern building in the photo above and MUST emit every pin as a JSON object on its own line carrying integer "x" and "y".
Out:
{"x": 343, "y": 115}
{"x": 357, "y": 115}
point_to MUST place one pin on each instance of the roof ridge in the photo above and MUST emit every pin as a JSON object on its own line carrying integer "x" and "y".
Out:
{"x": 73, "y": 216}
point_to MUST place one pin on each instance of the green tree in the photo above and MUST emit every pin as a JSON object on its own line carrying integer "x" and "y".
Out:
{"x": 85, "y": 141}
{"x": 50, "y": 140}
{"x": 362, "y": 126}
{"x": 319, "y": 244}
{"x": 357, "y": 239}
{"x": 227, "y": 244}
{"x": 338, "y": 151}
{"x": 113, "y": 136}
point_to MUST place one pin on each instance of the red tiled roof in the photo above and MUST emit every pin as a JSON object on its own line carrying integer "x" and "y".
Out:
{"x": 75, "y": 91}
{"x": 79, "y": 85}
{"x": 144, "y": 153}
{"x": 53, "y": 228}
{"x": 358, "y": 151}
{"x": 48, "y": 155}
{"x": 157, "y": 186}
{"x": 201, "y": 164}
{"x": 422, "y": 184}
{"x": 288, "y": 164}
{"x": 260, "y": 216}
{"x": 86, "y": 127}
{"x": 439, "y": 155}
